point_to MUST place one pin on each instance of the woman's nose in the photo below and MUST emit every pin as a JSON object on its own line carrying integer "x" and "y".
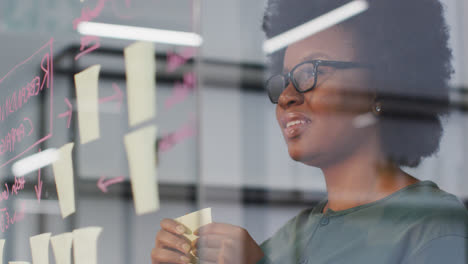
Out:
{"x": 290, "y": 97}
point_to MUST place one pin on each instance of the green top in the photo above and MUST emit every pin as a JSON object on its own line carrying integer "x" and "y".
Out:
{"x": 417, "y": 224}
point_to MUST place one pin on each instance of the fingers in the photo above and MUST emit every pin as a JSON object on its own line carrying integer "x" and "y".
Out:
{"x": 170, "y": 238}
{"x": 209, "y": 241}
{"x": 221, "y": 254}
{"x": 162, "y": 255}
{"x": 217, "y": 243}
{"x": 174, "y": 227}
{"x": 167, "y": 239}
{"x": 207, "y": 254}
{"x": 220, "y": 229}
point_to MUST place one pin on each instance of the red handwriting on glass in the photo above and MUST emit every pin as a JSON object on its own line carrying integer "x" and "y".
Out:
{"x": 7, "y": 143}
{"x": 17, "y": 186}
{"x": 181, "y": 90}
{"x": 68, "y": 113}
{"x": 175, "y": 61}
{"x": 38, "y": 187}
{"x": 88, "y": 15}
{"x": 85, "y": 42}
{"x": 6, "y": 220}
{"x": 15, "y": 102}
{"x": 102, "y": 184}
{"x": 5, "y": 194}
{"x": 19, "y": 98}
{"x": 41, "y": 84}
{"x": 118, "y": 96}
{"x": 169, "y": 141}
{"x": 31, "y": 127}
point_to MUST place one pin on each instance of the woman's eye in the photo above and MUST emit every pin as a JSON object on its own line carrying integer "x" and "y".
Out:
{"x": 324, "y": 70}
{"x": 319, "y": 72}
{"x": 309, "y": 73}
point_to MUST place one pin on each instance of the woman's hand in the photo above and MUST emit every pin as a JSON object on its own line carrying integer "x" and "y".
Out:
{"x": 171, "y": 246}
{"x": 226, "y": 244}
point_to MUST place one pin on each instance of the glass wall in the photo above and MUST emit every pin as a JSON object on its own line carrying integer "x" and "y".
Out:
{"x": 117, "y": 114}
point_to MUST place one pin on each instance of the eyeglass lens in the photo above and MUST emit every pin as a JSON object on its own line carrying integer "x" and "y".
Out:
{"x": 303, "y": 76}
{"x": 276, "y": 86}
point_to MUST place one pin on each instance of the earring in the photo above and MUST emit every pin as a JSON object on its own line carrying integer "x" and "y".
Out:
{"x": 377, "y": 108}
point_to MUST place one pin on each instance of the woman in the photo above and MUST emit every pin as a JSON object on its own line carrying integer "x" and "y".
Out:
{"x": 358, "y": 100}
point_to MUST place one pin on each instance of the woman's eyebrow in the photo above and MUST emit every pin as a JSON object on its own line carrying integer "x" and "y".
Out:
{"x": 312, "y": 56}
{"x": 315, "y": 56}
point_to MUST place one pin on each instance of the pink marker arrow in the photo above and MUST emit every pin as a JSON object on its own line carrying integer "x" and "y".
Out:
{"x": 102, "y": 184}
{"x": 67, "y": 113}
{"x": 38, "y": 187}
{"x": 118, "y": 95}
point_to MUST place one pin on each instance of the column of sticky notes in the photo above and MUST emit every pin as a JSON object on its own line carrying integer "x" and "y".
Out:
{"x": 141, "y": 100}
{"x": 83, "y": 241}
{"x": 141, "y": 97}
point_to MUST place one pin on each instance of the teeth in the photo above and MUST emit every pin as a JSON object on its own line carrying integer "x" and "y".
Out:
{"x": 292, "y": 123}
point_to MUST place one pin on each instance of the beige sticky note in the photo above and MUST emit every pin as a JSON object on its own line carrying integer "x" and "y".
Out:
{"x": 85, "y": 245}
{"x": 87, "y": 99}
{"x": 142, "y": 164}
{"x": 62, "y": 246}
{"x": 140, "y": 67}
{"x": 18, "y": 262}
{"x": 195, "y": 220}
{"x": 2, "y": 244}
{"x": 63, "y": 173}
{"x": 40, "y": 248}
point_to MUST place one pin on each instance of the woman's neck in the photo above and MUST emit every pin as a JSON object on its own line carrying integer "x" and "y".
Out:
{"x": 362, "y": 178}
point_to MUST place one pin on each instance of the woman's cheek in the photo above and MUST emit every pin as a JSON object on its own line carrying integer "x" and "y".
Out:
{"x": 278, "y": 114}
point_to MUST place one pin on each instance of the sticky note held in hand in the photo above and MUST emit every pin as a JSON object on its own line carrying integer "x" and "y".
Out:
{"x": 195, "y": 220}
{"x": 192, "y": 222}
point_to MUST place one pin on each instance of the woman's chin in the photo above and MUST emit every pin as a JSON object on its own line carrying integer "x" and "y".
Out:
{"x": 296, "y": 154}
{"x": 307, "y": 157}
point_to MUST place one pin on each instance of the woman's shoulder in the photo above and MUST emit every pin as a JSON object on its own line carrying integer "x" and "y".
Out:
{"x": 431, "y": 214}
{"x": 441, "y": 228}
{"x": 430, "y": 202}
{"x": 445, "y": 214}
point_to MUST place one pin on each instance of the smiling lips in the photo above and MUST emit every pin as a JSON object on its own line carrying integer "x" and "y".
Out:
{"x": 294, "y": 124}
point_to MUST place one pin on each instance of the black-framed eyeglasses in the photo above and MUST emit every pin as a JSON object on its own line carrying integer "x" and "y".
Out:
{"x": 304, "y": 76}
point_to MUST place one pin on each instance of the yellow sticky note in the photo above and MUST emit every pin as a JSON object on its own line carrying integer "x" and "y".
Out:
{"x": 142, "y": 164}
{"x": 85, "y": 245}
{"x": 2, "y": 244}
{"x": 40, "y": 248}
{"x": 62, "y": 246}
{"x": 87, "y": 99}
{"x": 140, "y": 67}
{"x": 195, "y": 220}
{"x": 63, "y": 173}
